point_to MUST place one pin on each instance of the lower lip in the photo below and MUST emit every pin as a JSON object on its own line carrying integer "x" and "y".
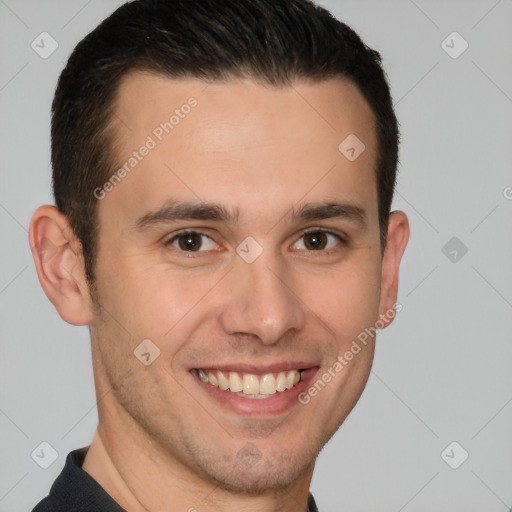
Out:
{"x": 279, "y": 403}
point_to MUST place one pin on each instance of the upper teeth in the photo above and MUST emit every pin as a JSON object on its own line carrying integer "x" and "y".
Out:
{"x": 251, "y": 385}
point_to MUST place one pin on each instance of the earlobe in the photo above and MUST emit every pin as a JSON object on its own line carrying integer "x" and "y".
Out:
{"x": 59, "y": 264}
{"x": 396, "y": 242}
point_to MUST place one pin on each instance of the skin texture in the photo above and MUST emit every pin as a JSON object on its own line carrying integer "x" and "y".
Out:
{"x": 262, "y": 152}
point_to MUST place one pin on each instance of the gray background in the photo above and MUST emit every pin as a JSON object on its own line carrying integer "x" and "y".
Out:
{"x": 442, "y": 370}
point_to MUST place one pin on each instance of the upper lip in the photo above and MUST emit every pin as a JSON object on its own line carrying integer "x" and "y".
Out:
{"x": 258, "y": 369}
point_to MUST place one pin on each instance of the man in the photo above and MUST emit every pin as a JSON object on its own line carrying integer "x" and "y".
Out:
{"x": 223, "y": 175}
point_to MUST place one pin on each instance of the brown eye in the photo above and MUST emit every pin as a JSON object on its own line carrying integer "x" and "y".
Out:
{"x": 318, "y": 241}
{"x": 192, "y": 242}
{"x": 315, "y": 241}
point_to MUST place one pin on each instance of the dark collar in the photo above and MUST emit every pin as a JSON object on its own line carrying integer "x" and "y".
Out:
{"x": 311, "y": 504}
{"x": 76, "y": 490}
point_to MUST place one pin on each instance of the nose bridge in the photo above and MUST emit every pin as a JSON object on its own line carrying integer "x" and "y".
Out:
{"x": 261, "y": 301}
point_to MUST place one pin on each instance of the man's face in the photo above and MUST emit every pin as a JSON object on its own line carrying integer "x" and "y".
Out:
{"x": 253, "y": 169}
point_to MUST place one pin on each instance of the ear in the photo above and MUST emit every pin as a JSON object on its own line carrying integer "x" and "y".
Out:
{"x": 59, "y": 262}
{"x": 396, "y": 241}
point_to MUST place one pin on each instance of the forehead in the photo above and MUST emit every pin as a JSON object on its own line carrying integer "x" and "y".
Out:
{"x": 334, "y": 105}
{"x": 240, "y": 140}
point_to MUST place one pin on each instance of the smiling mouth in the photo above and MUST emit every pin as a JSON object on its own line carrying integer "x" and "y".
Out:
{"x": 247, "y": 385}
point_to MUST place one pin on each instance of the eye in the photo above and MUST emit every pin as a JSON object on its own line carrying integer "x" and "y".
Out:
{"x": 317, "y": 241}
{"x": 192, "y": 241}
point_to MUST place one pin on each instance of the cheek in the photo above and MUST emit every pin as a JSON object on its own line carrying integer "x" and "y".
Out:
{"x": 157, "y": 303}
{"x": 347, "y": 300}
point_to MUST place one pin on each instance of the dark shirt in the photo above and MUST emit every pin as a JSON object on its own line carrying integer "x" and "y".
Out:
{"x": 77, "y": 491}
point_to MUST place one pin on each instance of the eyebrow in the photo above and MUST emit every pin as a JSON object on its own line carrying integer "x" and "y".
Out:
{"x": 330, "y": 210}
{"x": 174, "y": 211}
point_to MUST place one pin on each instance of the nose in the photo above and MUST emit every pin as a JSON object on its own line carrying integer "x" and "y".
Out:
{"x": 261, "y": 301}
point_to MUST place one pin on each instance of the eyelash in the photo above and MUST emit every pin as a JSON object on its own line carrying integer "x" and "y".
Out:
{"x": 341, "y": 241}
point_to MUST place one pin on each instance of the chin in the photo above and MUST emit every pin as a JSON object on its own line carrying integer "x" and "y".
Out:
{"x": 256, "y": 473}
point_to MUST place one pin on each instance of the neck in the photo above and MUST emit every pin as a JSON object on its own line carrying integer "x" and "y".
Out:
{"x": 139, "y": 479}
